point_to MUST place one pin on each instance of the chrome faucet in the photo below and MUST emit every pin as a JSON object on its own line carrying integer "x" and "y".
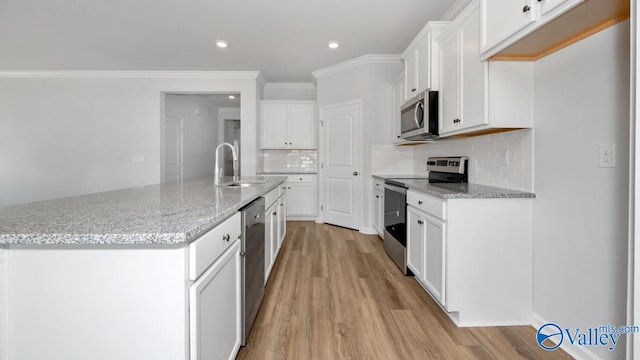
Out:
{"x": 217, "y": 171}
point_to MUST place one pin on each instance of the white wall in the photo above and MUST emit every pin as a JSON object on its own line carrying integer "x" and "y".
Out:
{"x": 71, "y": 133}
{"x": 580, "y": 213}
{"x": 4, "y": 309}
{"x": 372, "y": 83}
{"x": 200, "y": 133}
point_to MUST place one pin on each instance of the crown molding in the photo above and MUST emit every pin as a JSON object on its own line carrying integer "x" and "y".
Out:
{"x": 131, "y": 74}
{"x": 289, "y": 86}
{"x": 359, "y": 61}
{"x": 455, "y": 10}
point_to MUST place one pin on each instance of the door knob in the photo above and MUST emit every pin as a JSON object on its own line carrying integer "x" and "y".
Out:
{"x": 355, "y": 173}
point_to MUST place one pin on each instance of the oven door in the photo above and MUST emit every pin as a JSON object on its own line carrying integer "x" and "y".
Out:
{"x": 395, "y": 213}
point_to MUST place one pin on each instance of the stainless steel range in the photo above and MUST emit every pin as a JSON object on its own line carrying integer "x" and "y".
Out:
{"x": 441, "y": 170}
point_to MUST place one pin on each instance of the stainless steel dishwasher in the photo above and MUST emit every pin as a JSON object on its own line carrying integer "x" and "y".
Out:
{"x": 252, "y": 253}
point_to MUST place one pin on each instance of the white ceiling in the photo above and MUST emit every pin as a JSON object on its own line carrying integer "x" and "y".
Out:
{"x": 285, "y": 39}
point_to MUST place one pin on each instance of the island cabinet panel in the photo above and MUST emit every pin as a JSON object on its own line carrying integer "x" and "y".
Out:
{"x": 4, "y": 281}
{"x": 100, "y": 303}
{"x": 104, "y": 302}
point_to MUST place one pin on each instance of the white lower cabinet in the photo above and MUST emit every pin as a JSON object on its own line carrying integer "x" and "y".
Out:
{"x": 4, "y": 314}
{"x": 126, "y": 302}
{"x": 275, "y": 218}
{"x": 302, "y": 195}
{"x": 435, "y": 257}
{"x": 215, "y": 311}
{"x": 378, "y": 206}
{"x": 426, "y": 252}
{"x": 415, "y": 243}
{"x": 473, "y": 256}
{"x": 270, "y": 236}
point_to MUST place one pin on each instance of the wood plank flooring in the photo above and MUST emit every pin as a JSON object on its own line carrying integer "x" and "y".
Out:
{"x": 335, "y": 294}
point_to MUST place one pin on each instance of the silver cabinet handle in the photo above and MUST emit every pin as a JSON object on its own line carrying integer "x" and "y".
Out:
{"x": 355, "y": 173}
{"x": 226, "y": 237}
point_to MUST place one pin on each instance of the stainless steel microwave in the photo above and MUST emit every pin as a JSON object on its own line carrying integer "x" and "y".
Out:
{"x": 419, "y": 117}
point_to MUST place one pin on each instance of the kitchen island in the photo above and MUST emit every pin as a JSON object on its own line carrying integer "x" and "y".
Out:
{"x": 125, "y": 274}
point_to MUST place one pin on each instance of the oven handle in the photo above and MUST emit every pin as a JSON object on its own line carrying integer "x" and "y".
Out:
{"x": 398, "y": 189}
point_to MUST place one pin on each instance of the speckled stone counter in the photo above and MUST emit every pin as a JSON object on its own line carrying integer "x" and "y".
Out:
{"x": 171, "y": 213}
{"x": 457, "y": 191}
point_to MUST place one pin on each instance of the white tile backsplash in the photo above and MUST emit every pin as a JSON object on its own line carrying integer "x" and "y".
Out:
{"x": 289, "y": 160}
{"x": 389, "y": 159}
{"x": 484, "y": 158}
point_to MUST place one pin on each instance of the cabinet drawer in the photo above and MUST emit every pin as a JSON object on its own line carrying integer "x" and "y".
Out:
{"x": 272, "y": 196}
{"x": 302, "y": 178}
{"x": 378, "y": 185}
{"x": 205, "y": 250}
{"x": 428, "y": 204}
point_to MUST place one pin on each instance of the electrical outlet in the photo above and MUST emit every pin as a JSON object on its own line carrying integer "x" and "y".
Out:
{"x": 504, "y": 157}
{"x": 607, "y": 155}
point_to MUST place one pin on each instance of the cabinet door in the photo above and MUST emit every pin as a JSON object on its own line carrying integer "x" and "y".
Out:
{"x": 282, "y": 219}
{"x": 301, "y": 199}
{"x": 378, "y": 208}
{"x": 502, "y": 18}
{"x": 435, "y": 257}
{"x": 397, "y": 101}
{"x": 302, "y": 133}
{"x": 424, "y": 64}
{"x": 268, "y": 233}
{"x": 449, "y": 86}
{"x": 215, "y": 309}
{"x": 411, "y": 74}
{"x": 473, "y": 73}
{"x": 4, "y": 315}
{"x": 415, "y": 243}
{"x": 274, "y": 126}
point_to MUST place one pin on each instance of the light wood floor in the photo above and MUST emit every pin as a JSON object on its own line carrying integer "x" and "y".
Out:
{"x": 335, "y": 294}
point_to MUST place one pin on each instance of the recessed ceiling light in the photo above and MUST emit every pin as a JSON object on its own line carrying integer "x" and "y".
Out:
{"x": 221, "y": 43}
{"x": 232, "y": 97}
{"x": 333, "y": 44}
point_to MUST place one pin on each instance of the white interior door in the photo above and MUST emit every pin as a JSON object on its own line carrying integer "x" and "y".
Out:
{"x": 341, "y": 141}
{"x": 173, "y": 132}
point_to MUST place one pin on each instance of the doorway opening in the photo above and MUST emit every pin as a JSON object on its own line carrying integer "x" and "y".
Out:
{"x": 193, "y": 125}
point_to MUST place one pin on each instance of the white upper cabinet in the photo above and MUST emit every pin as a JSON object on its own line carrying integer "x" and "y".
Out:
{"x": 532, "y": 29}
{"x": 397, "y": 98}
{"x": 463, "y": 74}
{"x": 287, "y": 125}
{"x": 421, "y": 70}
{"x": 479, "y": 96}
{"x": 503, "y": 18}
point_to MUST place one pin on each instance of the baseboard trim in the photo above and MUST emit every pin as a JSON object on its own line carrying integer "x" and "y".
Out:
{"x": 368, "y": 231}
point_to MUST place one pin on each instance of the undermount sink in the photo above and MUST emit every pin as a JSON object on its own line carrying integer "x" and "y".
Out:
{"x": 242, "y": 183}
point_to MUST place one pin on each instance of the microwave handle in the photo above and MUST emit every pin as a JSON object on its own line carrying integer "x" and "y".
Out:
{"x": 415, "y": 115}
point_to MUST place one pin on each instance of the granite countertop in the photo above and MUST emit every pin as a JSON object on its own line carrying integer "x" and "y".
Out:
{"x": 456, "y": 191}
{"x": 169, "y": 213}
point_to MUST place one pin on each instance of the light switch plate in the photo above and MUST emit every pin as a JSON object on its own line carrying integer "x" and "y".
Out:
{"x": 504, "y": 157}
{"x": 607, "y": 155}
